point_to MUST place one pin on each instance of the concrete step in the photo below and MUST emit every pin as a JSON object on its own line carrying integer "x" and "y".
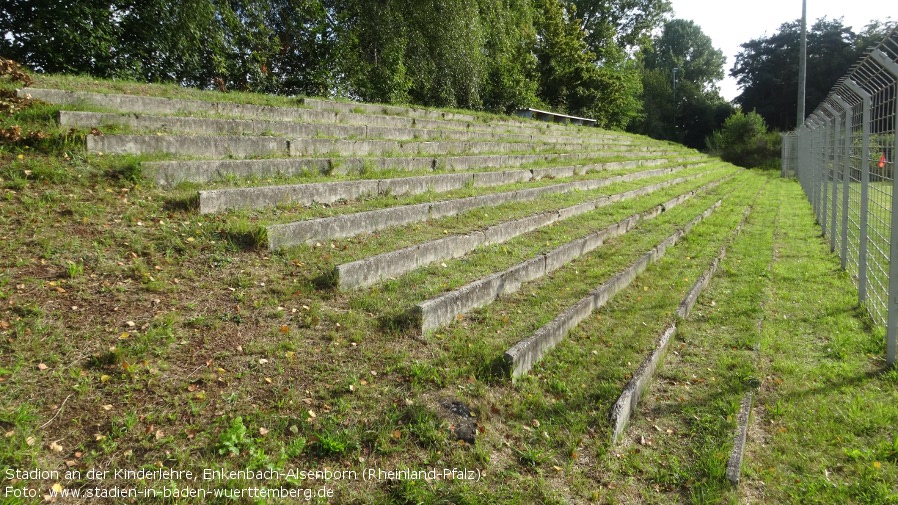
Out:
{"x": 391, "y": 110}
{"x": 219, "y": 200}
{"x": 209, "y": 147}
{"x": 350, "y": 225}
{"x": 211, "y": 126}
{"x": 166, "y": 106}
{"x": 171, "y": 173}
{"x": 445, "y": 308}
{"x": 521, "y": 357}
{"x": 246, "y": 146}
{"x": 373, "y": 269}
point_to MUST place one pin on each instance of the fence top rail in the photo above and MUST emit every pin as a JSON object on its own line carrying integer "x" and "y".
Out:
{"x": 873, "y": 72}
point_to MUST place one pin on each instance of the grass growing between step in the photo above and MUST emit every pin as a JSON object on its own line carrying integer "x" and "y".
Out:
{"x": 781, "y": 317}
{"x": 345, "y": 250}
{"x": 443, "y": 276}
{"x": 828, "y": 409}
{"x": 286, "y": 214}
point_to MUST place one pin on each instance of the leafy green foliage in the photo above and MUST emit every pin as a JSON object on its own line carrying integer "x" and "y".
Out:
{"x": 691, "y": 112}
{"x": 234, "y": 439}
{"x": 767, "y": 67}
{"x": 570, "y": 80}
{"x": 475, "y": 54}
{"x": 745, "y": 141}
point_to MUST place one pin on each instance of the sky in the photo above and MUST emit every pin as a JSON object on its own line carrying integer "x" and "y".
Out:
{"x": 730, "y": 23}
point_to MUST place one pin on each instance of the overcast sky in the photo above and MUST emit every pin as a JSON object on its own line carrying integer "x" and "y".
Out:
{"x": 731, "y": 23}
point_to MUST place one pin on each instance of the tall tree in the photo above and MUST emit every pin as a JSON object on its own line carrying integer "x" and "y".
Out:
{"x": 61, "y": 36}
{"x": 684, "y": 46}
{"x": 695, "y": 109}
{"x": 571, "y": 81}
{"x": 626, "y": 23}
{"x": 767, "y": 68}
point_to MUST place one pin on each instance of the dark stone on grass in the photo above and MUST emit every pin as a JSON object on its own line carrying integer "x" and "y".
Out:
{"x": 462, "y": 420}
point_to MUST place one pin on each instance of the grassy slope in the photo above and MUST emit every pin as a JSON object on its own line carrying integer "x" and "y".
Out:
{"x": 134, "y": 333}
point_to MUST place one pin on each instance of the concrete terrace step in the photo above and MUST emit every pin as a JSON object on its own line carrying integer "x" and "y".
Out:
{"x": 373, "y": 269}
{"x": 393, "y": 110}
{"x": 521, "y": 357}
{"x": 165, "y": 106}
{"x": 219, "y": 200}
{"x": 212, "y": 126}
{"x": 445, "y": 308}
{"x": 397, "y": 110}
{"x": 350, "y": 225}
{"x": 170, "y": 173}
{"x": 245, "y": 146}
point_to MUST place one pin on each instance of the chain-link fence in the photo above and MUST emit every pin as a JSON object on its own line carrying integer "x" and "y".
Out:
{"x": 844, "y": 158}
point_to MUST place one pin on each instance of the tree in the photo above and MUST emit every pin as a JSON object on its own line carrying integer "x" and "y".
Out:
{"x": 744, "y": 140}
{"x": 624, "y": 23}
{"x": 571, "y": 81}
{"x": 767, "y": 68}
{"x": 696, "y": 108}
{"x": 61, "y": 36}
{"x": 683, "y": 45}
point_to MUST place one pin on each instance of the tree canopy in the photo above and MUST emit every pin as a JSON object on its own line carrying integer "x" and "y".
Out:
{"x": 695, "y": 109}
{"x": 767, "y": 68}
{"x": 496, "y": 55}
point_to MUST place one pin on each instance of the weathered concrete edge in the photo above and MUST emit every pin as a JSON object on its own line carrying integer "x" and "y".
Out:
{"x": 443, "y": 309}
{"x": 192, "y": 125}
{"x": 685, "y": 307}
{"x": 170, "y": 173}
{"x": 356, "y": 274}
{"x": 626, "y": 404}
{"x": 734, "y": 464}
{"x": 349, "y": 225}
{"x": 521, "y": 357}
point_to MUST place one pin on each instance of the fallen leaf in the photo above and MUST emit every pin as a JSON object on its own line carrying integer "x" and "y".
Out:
{"x": 42, "y": 367}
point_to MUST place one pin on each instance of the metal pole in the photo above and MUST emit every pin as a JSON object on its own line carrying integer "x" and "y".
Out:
{"x": 846, "y": 176}
{"x": 865, "y": 187}
{"x": 834, "y": 166}
{"x": 824, "y": 172}
{"x": 892, "y": 317}
{"x": 803, "y": 62}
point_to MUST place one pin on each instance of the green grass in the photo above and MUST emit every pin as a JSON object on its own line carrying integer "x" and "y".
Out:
{"x": 135, "y": 333}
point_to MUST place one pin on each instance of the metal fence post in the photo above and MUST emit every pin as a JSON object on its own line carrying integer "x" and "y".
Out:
{"x": 832, "y": 172}
{"x": 865, "y": 188}
{"x": 846, "y": 177}
{"x": 824, "y": 172}
{"x": 892, "y": 318}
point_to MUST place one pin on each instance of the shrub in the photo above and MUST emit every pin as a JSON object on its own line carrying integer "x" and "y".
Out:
{"x": 745, "y": 141}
